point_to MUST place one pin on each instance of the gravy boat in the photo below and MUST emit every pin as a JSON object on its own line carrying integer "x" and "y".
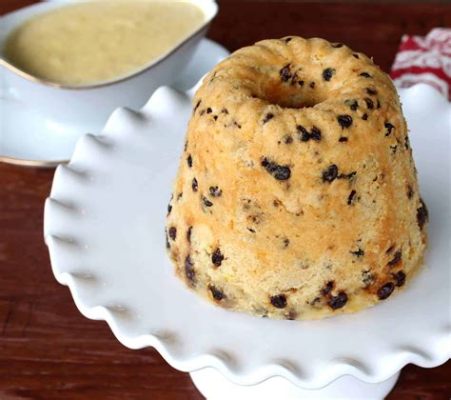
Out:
{"x": 92, "y": 104}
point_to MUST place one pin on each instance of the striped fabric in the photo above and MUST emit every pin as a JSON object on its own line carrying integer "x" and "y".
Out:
{"x": 425, "y": 59}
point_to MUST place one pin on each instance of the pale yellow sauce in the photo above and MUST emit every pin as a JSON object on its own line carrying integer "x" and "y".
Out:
{"x": 99, "y": 41}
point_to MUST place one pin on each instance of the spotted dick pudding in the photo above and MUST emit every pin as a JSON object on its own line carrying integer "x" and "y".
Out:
{"x": 296, "y": 195}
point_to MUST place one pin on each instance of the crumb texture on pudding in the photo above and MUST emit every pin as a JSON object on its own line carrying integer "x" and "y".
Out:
{"x": 300, "y": 197}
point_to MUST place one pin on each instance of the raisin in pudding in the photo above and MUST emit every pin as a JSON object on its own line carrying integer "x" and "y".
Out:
{"x": 296, "y": 196}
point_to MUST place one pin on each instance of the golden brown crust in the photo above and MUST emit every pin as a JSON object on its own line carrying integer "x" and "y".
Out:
{"x": 296, "y": 196}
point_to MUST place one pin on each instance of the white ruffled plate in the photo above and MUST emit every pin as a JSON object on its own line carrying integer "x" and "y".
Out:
{"x": 104, "y": 226}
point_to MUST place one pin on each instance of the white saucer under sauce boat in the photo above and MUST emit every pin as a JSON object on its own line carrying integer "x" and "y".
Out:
{"x": 62, "y": 110}
{"x": 104, "y": 226}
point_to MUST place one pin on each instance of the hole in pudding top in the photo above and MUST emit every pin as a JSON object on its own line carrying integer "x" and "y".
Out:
{"x": 287, "y": 88}
{"x": 289, "y": 97}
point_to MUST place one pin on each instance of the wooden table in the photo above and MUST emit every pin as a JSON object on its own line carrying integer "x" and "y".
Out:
{"x": 47, "y": 349}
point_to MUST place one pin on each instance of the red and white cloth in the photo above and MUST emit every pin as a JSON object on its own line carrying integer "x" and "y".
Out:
{"x": 425, "y": 59}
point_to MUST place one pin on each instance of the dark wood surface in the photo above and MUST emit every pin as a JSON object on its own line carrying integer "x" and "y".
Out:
{"x": 47, "y": 349}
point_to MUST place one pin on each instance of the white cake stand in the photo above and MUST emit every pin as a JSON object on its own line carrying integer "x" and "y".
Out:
{"x": 213, "y": 385}
{"x": 104, "y": 223}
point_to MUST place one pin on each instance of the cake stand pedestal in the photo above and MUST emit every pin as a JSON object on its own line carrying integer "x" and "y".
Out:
{"x": 214, "y": 386}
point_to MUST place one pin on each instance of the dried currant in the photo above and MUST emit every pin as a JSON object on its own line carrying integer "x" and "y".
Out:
{"x": 315, "y": 133}
{"x": 352, "y": 104}
{"x": 288, "y": 139}
{"x": 338, "y": 301}
{"x": 285, "y": 73}
{"x": 369, "y": 103}
{"x": 406, "y": 143}
{"x": 280, "y": 172}
{"x": 215, "y": 191}
{"x": 217, "y": 257}
{"x": 268, "y": 117}
{"x": 351, "y": 197}
{"x": 397, "y": 257}
{"x": 389, "y": 128}
{"x": 304, "y": 134}
{"x": 216, "y": 293}
{"x": 172, "y": 232}
{"x": 400, "y": 278}
{"x": 345, "y": 120}
{"x": 327, "y": 288}
{"x": 358, "y": 253}
{"x": 385, "y": 290}
{"x": 279, "y": 301}
{"x": 197, "y": 106}
{"x": 328, "y": 73}
{"x": 206, "y": 202}
{"x": 194, "y": 185}
{"x": 189, "y": 269}
{"x": 330, "y": 173}
{"x": 422, "y": 214}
